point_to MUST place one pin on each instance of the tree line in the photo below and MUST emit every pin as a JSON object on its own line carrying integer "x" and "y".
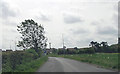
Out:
{"x": 96, "y": 47}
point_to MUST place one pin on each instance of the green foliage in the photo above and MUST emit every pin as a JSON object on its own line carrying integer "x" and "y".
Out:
{"x": 32, "y": 51}
{"x": 54, "y": 51}
{"x": 32, "y": 35}
{"x": 89, "y": 50}
{"x": 78, "y": 51}
{"x": 12, "y": 60}
{"x": 113, "y": 48}
{"x": 31, "y": 66}
{"x": 66, "y": 51}
{"x": 103, "y": 47}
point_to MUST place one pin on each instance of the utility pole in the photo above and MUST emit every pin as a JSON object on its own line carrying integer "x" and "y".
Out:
{"x": 63, "y": 41}
{"x": 15, "y": 45}
{"x": 63, "y": 44}
{"x": 10, "y": 44}
{"x": 50, "y": 45}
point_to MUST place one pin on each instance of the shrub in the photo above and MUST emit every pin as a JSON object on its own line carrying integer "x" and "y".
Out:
{"x": 12, "y": 59}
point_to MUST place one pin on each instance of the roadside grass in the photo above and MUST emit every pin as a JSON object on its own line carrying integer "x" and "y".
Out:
{"x": 105, "y": 60}
{"x": 31, "y": 66}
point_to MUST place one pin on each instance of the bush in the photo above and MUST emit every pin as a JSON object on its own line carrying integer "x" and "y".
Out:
{"x": 32, "y": 51}
{"x": 12, "y": 59}
{"x": 90, "y": 50}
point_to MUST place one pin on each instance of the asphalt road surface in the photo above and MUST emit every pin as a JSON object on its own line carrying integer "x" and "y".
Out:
{"x": 57, "y": 64}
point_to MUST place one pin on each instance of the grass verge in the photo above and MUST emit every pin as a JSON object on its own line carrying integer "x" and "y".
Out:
{"x": 105, "y": 60}
{"x": 31, "y": 66}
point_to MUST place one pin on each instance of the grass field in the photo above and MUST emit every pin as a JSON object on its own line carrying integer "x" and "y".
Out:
{"x": 105, "y": 60}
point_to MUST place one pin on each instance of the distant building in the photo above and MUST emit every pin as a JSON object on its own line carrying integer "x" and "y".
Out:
{"x": 61, "y": 48}
{"x": 9, "y": 50}
{"x": 71, "y": 49}
{"x": 19, "y": 50}
{"x": 48, "y": 51}
{"x": 3, "y": 51}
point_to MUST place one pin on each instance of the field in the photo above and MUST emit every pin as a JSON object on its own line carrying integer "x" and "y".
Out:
{"x": 105, "y": 60}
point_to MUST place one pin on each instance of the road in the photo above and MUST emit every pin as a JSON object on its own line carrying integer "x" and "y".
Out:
{"x": 57, "y": 64}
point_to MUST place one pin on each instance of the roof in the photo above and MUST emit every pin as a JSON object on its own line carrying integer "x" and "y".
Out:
{"x": 70, "y": 48}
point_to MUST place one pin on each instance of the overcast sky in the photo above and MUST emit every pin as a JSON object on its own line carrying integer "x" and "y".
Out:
{"x": 80, "y": 21}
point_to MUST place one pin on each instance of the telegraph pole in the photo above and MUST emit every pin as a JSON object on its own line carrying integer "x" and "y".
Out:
{"x": 50, "y": 45}
{"x": 15, "y": 45}
{"x": 10, "y": 44}
{"x": 63, "y": 41}
{"x": 63, "y": 44}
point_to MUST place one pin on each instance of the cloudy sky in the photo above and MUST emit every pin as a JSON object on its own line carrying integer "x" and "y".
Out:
{"x": 79, "y": 21}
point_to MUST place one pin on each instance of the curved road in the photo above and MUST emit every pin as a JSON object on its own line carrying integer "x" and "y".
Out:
{"x": 57, "y": 64}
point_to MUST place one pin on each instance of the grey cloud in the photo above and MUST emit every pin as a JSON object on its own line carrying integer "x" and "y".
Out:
{"x": 44, "y": 17}
{"x": 107, "y": 31}
{"x": 79, "y": 31}
{"x": 95, "y": 23}
{"x": 6, "y": 10}
{"x": 70, "y": 19}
